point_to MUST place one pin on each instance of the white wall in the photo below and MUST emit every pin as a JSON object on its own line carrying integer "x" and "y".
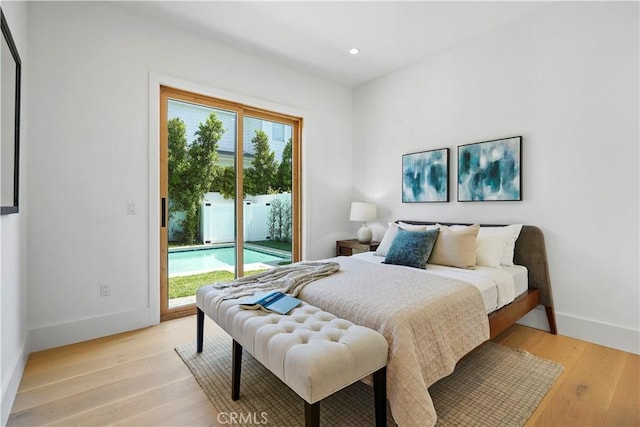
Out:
{"x": 89, "y": 154}
{"x": 566, "y": 79}
{"x": 14, "y": 330}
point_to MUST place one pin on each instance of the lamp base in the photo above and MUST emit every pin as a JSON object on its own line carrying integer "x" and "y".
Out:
{"x": 364, "y": 234}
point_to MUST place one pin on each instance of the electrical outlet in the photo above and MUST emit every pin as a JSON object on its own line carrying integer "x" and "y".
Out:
{"x": 105, "y": 290}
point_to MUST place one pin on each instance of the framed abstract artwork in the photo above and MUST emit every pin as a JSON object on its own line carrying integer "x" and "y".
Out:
{"x": 425, "y": 176}
{"x": 490, "y": 170}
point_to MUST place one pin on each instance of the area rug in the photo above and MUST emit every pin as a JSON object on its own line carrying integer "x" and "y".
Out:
{"x": 492, "y": 386}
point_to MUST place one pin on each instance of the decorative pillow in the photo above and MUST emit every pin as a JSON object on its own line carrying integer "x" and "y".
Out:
{"x": 494, "y": 237}
{"x": 489, "y": 247}
{"x": 385, "y": 244}
{"x": 411, "y": 248}
{"x": 456, "y": 247}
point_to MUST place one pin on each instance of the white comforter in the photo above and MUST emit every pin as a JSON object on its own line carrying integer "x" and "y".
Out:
{"x": 429, "y": 321}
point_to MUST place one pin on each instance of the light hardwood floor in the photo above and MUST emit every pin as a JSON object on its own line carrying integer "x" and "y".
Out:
{"x": 136, "y": 378}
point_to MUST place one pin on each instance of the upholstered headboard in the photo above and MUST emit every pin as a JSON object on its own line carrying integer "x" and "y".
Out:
{"x": 530, "y": 251}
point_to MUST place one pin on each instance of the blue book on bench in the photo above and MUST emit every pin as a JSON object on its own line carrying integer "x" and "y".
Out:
{"x": 275, "y": 302}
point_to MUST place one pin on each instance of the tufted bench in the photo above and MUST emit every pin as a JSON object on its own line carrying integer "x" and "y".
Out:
{"x": 313, "y": 352}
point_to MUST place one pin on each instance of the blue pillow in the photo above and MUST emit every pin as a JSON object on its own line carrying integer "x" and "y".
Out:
{"x": 412, "y": 248}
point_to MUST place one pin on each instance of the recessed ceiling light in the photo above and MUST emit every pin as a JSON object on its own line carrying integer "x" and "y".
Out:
{"x": 354, "y": 51}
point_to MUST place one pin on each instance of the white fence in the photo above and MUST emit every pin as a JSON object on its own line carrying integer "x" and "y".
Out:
{"x": 217, "y": 218}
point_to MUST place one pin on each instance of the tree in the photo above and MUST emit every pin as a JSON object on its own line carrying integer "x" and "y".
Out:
{"x": 279, "y": 221}
{"x": 274, "y": 220}
{"x": 285, "y": 169}
{"x": 192, "y": 168}
{"x": 260, "y": 177}
{"x": 177, "y": 156}
{"x": 225, "y": 181}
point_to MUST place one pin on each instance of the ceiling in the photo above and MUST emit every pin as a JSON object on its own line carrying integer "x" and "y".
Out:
{"x": 315, "y": 36}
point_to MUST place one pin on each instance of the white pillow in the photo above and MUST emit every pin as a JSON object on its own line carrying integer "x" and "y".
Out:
{"x": 455, "y": 246}
{"x": 392, "y": 230}
{"x": 495, "y": 245}
{"x": 490, "y": 246}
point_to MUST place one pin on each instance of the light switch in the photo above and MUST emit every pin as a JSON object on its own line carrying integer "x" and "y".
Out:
{"x": 131, "y": 208}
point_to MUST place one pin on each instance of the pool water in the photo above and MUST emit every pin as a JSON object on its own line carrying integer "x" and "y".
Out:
{"x": 200, "y": 260}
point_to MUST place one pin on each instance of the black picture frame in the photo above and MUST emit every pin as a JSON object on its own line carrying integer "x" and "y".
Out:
{"x": 10, "y": 78}
{"x": 425, "y": 176}
{"x": 490, "y": 170}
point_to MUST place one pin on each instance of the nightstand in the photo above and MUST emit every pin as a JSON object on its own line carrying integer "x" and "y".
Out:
{"x": 352, "y": 246}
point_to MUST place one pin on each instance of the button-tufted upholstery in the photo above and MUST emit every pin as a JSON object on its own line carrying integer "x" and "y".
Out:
{"x": 312, "y": 351}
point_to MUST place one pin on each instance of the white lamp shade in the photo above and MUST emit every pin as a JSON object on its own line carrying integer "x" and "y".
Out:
{"x": 361, "y": 211}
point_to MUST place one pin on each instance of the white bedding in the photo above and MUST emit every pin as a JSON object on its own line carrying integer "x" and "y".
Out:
{"x": 429, "y": 327}
{"x": 498, "y": 286}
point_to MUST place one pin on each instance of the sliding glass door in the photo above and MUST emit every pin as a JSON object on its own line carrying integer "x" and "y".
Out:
{"x": 210, "y": 231}
{"x": 267, "y": 187}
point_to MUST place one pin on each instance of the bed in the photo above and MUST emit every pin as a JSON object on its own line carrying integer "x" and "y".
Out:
{"x": 530, "y": 252}
{"x": 430, "y": 328}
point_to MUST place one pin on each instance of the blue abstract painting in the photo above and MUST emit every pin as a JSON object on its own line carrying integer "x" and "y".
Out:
{"x": 490, "y": 170}
{"x": 425, "y": 176}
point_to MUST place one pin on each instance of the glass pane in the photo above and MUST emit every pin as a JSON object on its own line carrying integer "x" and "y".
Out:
{"x": 268, "y": 213}
{"x": 201, "y": 229}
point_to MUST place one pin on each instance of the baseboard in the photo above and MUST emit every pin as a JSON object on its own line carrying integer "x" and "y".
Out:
{"x": 86, "y": 329}
{"x": 615, "y": 336}
{"x": 10, "y": 387}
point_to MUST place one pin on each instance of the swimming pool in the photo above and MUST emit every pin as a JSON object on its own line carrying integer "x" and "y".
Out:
{"x": 221, "y": 258}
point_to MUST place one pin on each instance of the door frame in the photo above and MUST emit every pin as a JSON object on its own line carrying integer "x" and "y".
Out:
{"x": 165, "y": 91}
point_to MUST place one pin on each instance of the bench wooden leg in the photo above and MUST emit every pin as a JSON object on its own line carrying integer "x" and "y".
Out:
{"x": 551, "y": 317}
{"x": 312, "y": 414}
{"x": 236, "y": 367}
{"x": 199, "y": 330}
{"x": 380, "y": 396}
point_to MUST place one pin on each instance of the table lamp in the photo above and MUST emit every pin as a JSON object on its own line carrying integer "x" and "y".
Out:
{"x": 364, "y": 212}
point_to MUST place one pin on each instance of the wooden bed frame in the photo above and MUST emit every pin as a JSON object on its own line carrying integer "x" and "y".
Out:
{"x": 531, "y": 252}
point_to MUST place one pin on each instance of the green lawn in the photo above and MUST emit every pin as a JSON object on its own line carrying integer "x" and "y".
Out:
{"x": 283, "y": 246}
{"x": 185, "y": 286}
